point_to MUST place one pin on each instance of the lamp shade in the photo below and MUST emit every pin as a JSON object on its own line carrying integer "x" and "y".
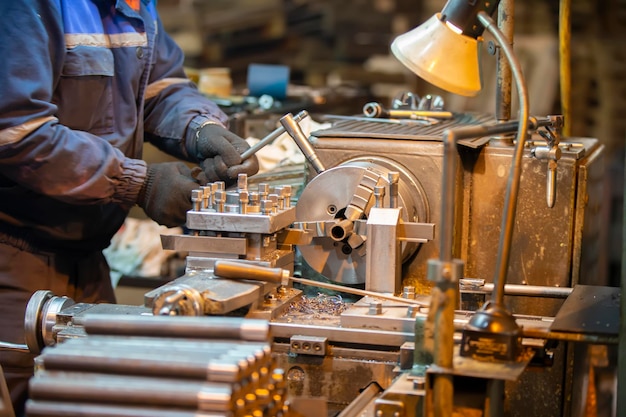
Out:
{"x": 441, "y": 56}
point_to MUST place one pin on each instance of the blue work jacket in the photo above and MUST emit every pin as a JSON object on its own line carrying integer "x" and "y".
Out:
{"x": 82, "y": 84}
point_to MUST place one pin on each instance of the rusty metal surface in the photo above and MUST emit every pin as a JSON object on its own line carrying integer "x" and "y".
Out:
{"x": 547, "y": 242}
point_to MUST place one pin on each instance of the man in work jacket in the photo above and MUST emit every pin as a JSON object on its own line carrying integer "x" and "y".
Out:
{"x": 82, "y": 84}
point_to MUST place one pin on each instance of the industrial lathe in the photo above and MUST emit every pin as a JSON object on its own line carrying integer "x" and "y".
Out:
{"x": 339, "y": 295}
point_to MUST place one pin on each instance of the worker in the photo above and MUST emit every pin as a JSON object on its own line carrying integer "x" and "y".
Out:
{"x": 83, "y": 83}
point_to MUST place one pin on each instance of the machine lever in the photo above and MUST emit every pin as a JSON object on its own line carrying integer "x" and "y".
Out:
{"x": 239, "y": 270}
{"x": 271, "y": 137}
{"x": 292, "y": 127}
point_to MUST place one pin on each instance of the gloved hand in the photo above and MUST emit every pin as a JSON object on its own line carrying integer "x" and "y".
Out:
{"x": 219, "y": 151}
{"x": 166, "y": 193}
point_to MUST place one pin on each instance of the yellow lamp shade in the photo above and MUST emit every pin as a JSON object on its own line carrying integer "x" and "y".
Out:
{"x": 441, "y": 56}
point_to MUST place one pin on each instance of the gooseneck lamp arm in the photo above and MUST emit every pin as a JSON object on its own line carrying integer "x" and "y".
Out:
{"x": 512, "y": 190}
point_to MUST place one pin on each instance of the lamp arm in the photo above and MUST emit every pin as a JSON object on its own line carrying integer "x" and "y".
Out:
{"x": 512, "y": 190}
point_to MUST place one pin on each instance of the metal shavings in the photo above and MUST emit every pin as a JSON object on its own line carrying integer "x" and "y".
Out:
{"x": 319, "y": 307}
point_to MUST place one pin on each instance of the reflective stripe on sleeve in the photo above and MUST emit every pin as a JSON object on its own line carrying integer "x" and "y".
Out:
{"x": 156, "y": 87}
{"x": 16, "y": 133}
{"x": 118, "y": 40}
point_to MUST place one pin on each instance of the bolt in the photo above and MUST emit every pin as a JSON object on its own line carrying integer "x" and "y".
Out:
{"x": 287, "y": 192}
{"x": 243, "y": 201}
{"x": 196, "y": 199}
{"x": 376, "y": 308}
{"x": 242, "y": 182}
{"x": 219, "y": 201}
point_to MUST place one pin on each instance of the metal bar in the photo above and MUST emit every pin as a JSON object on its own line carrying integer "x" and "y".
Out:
{"x": 184, "y": 326}
{"x": 531, "y": 290}
{"x": 535, "y": 333}
{"x": 565, "y": 69}
{"x": 167, "y": 342}
{"x": 148, "y": 364}
{"x": 72, "y": 409}
{"x": 115, "y": 389}
{"x": 506, "y": 10}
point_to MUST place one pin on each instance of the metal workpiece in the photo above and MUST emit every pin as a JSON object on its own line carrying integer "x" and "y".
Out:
{"x": 207, "y": 365}
{"x": 133, "y": 374}
{"x": 383, "y": 273}
{"x": 272, "y": 136}
{"x": 295, "y": 131}
{"x": 39, "y": 408}
{"x": 192, "y": 327}
{"x": 127, "y": 390}
{"x": 260, "y": 350}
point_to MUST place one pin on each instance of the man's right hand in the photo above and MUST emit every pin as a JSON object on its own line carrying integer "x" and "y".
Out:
{"x": 166, "y": 193}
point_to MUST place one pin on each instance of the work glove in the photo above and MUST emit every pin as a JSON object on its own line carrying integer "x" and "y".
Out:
{"x": 219, "y": 151}
{"x": 166, "y": 193}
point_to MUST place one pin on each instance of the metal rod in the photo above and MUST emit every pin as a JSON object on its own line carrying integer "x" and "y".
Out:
{"x": 531, "y": 290}
{"x": 535, "y": 333}
{"x": 116, "y": 389}
{"x": 271, "y": 137}
{"x": 565, "y": 69}
{"x": 220, "y": 368}
{"x": 512, "y": 191}
{"x": 184, "y": 326}
{"x": 72, "y": 409}
{"x": 506, "y": 10}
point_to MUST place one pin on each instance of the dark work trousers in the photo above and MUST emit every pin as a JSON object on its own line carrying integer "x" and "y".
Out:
{"x": 82, "y": 277}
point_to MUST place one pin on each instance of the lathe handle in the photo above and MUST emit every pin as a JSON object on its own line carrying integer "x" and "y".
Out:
{"x": 240, "y": 270}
